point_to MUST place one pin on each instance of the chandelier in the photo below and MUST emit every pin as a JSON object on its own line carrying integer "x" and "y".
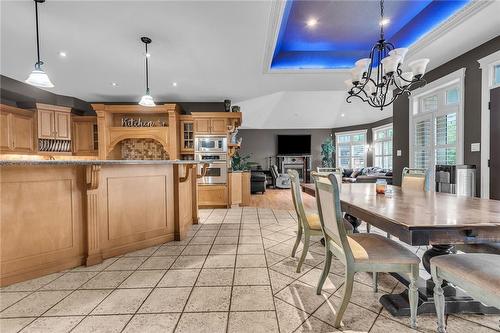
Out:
{"x": 379, "y": 79}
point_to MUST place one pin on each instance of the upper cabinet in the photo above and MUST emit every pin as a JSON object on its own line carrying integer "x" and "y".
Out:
{"x": 187, "y": 134}
{"x": 218, "y": 123}
{"x": 54, "y": 122}
{"x": 16, "y": 130}
{"x": 85, "y": 141}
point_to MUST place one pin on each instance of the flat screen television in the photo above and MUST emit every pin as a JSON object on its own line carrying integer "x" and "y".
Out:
{"x": 294, "y": 144}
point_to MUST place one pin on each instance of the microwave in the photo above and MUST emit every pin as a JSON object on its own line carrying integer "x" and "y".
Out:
{"x": 212, "y": 144}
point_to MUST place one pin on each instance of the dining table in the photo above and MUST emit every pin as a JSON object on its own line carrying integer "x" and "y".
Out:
{"x": 417, "y": 218}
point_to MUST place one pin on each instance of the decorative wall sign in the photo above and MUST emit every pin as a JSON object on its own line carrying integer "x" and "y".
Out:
{"x": 133, "y": 122}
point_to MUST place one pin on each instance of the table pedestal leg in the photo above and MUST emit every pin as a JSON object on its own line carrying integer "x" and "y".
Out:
{"x": 354, "y": 221}
{"x": 434, "y": 251}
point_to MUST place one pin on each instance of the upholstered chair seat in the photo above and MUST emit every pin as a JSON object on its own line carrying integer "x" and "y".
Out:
{"x": 377, "y": 249}
{"x": 477, "y": 273}
{"x": 477, "y": 269}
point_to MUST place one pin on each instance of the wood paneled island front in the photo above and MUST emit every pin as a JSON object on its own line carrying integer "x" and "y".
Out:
{"x": 57, "y": 215}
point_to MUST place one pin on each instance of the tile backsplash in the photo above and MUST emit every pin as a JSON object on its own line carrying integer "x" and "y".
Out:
{"x": 143, "y": 149}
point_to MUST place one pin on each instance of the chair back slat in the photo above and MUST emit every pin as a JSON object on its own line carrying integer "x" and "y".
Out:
{"x": 297, "y": 198}
{"x": 415, "y": 180}
{"x": 328, "y": 200}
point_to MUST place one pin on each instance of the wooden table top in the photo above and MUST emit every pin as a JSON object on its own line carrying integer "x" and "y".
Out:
{"x": 405, "y": 212}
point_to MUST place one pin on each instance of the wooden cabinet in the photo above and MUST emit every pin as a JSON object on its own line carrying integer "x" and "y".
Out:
{"x": 17, "y": 130}
{"x": 239, "y": 188}
{"x": 218, "y": 126}
{"x": 54, "y": 122}
{"x": 4, "y": 131}
{"x": 210, "y": 126}
{"x": 85, "y": 140}
{"x": 22, "y": 133}
{"x": 45, "y": 124}
{"x": 187, "y": 136}
{"x": 202, "y": 126}
{"x": 212, "y": 196}
{"x": 62, "y": 121}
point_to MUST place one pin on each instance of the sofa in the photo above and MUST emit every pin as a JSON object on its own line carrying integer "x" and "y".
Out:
{"x": 366, "y": 175}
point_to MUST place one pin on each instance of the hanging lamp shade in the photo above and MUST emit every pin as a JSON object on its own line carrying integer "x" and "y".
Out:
{"x": 147, "y": 99}
{"x": 38, "y": 77}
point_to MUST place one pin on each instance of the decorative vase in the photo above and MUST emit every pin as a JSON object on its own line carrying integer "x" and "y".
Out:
{"x": 235, "y": 108}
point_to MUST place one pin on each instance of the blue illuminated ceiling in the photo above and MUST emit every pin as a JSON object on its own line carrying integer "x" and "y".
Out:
{"x": 347, "y": 30}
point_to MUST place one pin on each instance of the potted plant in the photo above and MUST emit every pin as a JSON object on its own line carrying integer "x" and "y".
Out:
{"x": 240, "y": 163}
{"x": 327, "y": 152}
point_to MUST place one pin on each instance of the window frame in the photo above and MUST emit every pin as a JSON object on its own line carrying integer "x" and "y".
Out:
{"x": 351, "y": 133}
{"x": 442, "y": 85}
{"x": 375, "y": 141}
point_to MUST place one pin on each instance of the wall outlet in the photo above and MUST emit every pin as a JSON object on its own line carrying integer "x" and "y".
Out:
{"x": 398, "y": 152}
{"x": 475, "y": 147}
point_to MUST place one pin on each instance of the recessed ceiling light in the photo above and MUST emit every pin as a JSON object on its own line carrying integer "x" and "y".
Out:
{"x": 174, "y": 84}
{"x": 62, "y": 54}
{"x": 342, "y": 115}
{"x": 114, "y": 84}
{"x": 384, "y": 22}
{"x": 312, "y": 22}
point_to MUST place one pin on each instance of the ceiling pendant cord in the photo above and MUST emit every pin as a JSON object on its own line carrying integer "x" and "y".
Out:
{"x": 147, "y": 71}
{"x": 39, "y": 63}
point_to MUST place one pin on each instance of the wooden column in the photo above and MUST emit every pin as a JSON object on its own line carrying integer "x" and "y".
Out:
{"x": 94, "y": 255}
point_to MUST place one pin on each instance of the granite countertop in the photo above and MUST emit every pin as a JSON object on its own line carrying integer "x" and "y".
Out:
{"x": 94, "y": 162}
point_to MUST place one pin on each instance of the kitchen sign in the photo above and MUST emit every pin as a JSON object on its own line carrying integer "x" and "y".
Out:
{"x": 132, "y": 122}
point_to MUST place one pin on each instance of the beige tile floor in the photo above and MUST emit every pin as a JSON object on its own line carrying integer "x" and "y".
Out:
{"x": 233, "y": 273}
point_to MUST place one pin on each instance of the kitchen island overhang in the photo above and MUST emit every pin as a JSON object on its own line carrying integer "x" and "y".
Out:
{"x": 58, "y": 214}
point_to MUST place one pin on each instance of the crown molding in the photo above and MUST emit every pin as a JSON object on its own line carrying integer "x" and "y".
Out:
{"x": 276, "y": 16}
{"x": 453, "y": 21}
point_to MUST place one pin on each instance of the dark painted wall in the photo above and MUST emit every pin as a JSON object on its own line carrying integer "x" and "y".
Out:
{"x": 472, "y": 109}
{"x": 17, "y": 93}
{"x": 23, "y": 95}
{"x": 262, "y": 143}
{"x": 369, "y": 134}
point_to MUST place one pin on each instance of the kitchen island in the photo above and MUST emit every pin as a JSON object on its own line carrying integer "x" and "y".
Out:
{"x": 59, "y": 214}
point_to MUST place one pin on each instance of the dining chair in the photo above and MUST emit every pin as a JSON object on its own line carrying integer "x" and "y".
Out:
{"x": 359, "y": 252}
{"x": 476, "y": 273}
{"x": 307, "y": 221}
{"x": 415, "y": 179}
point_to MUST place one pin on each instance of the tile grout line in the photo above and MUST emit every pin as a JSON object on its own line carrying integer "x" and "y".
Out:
{"x": 198, "y": 276}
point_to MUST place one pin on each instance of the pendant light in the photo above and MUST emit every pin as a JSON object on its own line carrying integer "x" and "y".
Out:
{"x": 38, "y": 77}
{"x": 147, "y": 100}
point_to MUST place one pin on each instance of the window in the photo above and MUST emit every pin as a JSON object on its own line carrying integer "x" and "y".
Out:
{"x": 496, "y": 74}
{"x": 351, "y": 149}
{"x": 382, "y": 144}
{"x": 435, "y": 120}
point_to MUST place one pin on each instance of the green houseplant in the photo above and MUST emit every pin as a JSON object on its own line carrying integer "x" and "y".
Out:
{"x": 240, "y": 162}
{"x": 327, "y": 152}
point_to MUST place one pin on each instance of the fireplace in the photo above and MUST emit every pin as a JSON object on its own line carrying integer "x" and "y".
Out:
{"x": 299, "y": 163}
